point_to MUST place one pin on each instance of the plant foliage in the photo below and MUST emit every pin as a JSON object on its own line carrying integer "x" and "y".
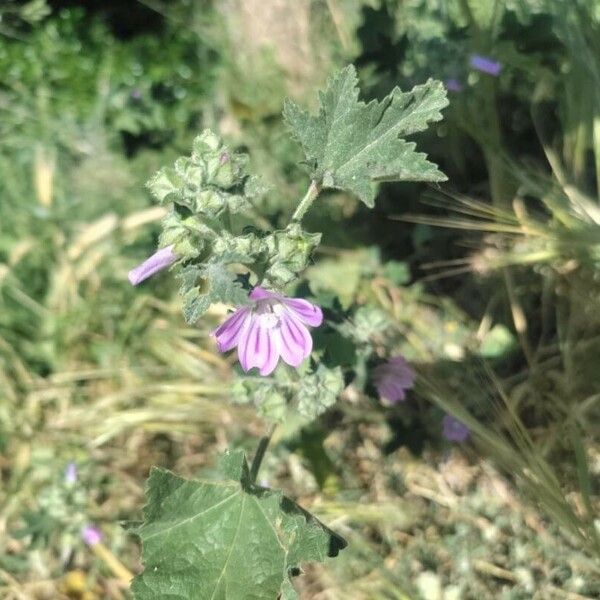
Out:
{"x": 225, "y": 539}
{"x": 351, "y": 145}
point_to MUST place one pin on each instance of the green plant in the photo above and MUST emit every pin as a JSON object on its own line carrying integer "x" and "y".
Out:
{"x": 209, "y": 232}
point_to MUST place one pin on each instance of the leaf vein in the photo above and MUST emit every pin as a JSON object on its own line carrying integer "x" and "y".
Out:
{"x": 237, "y": 530}
{"x": 190, "y": 519}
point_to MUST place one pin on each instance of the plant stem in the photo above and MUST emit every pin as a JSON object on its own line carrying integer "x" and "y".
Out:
{"x": 112, "y": 562}
{"x": 260, "y": 452}
{"x": 310, "y": 196}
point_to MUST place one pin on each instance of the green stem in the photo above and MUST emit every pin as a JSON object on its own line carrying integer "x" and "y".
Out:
{"x": 260, "y": 452}
{"x": 310, "y": 196}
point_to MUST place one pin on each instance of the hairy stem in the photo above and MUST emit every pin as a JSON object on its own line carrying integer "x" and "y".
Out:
{"x": 310, "y": 196}
{"x": 260, "y": 452}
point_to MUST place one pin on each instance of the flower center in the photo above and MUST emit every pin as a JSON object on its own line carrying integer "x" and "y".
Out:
{"x": 269, "y": 312}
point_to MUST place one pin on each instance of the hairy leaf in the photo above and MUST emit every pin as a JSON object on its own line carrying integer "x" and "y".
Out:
{"x": 206, "y": 284}
{"x": 306, "y": 392}
{"x": 219, "y": 540}
{"x": 368, "y": 322}
{"x": 319, "y": 391}
{"x": 351, "y": 145}
{"x": 211, "y": 181}
{"x": 289, "y": 251}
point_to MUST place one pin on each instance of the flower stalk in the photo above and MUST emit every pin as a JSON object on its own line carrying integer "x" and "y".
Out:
{"x": 260, "y": 452}
{"x": 311, "y": 195}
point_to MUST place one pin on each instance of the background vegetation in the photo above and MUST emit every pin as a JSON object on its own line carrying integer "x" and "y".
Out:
{"x": 489, "y": 285}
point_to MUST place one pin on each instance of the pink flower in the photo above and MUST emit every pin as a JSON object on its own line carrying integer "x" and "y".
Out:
{"x": 273, "y": 326}
{"x": 91, "y": 535}
{"x": 393, "y": 378}
{"x": 454, "y": 430}
{"x": 160, "y": 260}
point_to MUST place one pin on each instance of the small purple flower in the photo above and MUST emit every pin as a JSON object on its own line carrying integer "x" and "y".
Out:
{"x": 485, "y": 64}
{"x": 71, "y": 473}
{"x": 160, "y": 260}
{"x": 91, "y": 535}
{"x": 273, "y": 326}
{"x": 454, "y": 430}
{"x": 453, "y": 85}
{"x": 393, "y": 378}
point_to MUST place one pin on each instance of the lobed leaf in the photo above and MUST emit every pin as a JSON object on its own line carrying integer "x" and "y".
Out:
{"x": 309, "y": 394}
{"x": 319, "y": 391}
{"x": 351, "y": 145}
{"x": 207, "y": 284}
{"x": 220, "y": 540}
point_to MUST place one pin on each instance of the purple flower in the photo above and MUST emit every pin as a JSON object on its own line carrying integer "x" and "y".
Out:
{"x": 71, "y": 473}
{"x": 91, "y": 535}
{"x": 453, "y": 85}
{"x": 273, "y": 326}
{"x": 485, "y": 64}
{"x": 454, "y": 430}
{"x": 160, "y": 260}
{"x": 393, "y": 378}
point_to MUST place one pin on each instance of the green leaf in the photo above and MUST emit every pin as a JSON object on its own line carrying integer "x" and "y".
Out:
{"x": 308, "y": 393}
{"x": 243, "y": 248}
{"x": 270, "y": 402}
{"x": 367, "y": 322}
{"x": 164, "y": 185}
{"x": 497, "y": 342}
{"x": 187, "y": 234}
{"x": 343, "y": 275}
{"x": 219, "y": 540}
{"x": 351, "y": 145}
{"x": 289, "y": 251}
{"x": 319, "y": 391}
{"x": 397, "y": 272}
{"x": 210, "y": 182}
{"x": 206, "y": 284}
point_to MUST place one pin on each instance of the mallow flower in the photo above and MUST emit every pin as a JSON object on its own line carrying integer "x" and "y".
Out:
{"x": 91, "y": 535}
{"x": 160, "y": 260}
{"x": 454, "y": 430}
{"x": 271, "y": 327}
{"x": 393, "y": 378}
{"x": 485, "y": 64}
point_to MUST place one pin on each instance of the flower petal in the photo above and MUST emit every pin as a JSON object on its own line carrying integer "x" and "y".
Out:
{"x": 259, "y": 293}
{"x": 246, "y": 341}
{"x": 393, "y": 378}
{"x": 272, "y": 357}
{"x": 261, "y": 349}
{"x": 308, "y": 313}
{"x": 228, "y": 333}
{"x": 405, "y": 377}
{"x": 454, "y": 430}
{"x": 295, "y": 341}
{"x": 160, "y": 260}
{"x": 391, "y": 392}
